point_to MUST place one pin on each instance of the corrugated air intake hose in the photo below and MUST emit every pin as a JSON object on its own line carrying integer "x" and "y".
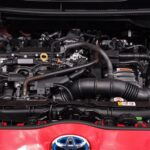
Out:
{"x": 89, "y": 88}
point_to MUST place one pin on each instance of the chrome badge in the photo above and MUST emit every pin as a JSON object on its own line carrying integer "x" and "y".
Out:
{"x": 70, "y": 142}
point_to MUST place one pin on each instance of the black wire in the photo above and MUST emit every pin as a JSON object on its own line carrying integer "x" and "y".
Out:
{"x": 4, "y": 76}
{"x": 35, "y": 69}
{"x": 135, "y": 46}
{"x": 68, "y": 91}
{"x": 39, "y": 96}
{"x": 61, "y": 40}
{"x": 4, "y": 80}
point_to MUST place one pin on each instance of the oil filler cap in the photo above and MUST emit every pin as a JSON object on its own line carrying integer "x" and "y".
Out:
{"x": 44, "y": 57}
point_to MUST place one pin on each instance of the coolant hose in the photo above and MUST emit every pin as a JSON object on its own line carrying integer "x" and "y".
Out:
{"x": 51, "y": 74}
{"x": 89, "y": 88}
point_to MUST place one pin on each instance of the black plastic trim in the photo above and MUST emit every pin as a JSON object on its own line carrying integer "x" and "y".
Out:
{"x": 85, "y": 1}
{"x": 74, "y": 122}
{"x": 46, "y": 12}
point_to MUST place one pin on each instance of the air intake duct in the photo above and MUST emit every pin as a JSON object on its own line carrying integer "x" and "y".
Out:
{"x": 90, "y": 88}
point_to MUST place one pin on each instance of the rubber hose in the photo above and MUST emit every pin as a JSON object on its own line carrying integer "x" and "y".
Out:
{"x": 47, "y": 75}
{"x": 89, "y": 88}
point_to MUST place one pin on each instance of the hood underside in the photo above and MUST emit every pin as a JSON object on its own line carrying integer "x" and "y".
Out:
{"x": 77, "y": 4}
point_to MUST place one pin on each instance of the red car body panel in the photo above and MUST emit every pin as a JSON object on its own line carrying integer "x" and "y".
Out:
{"x": 99, "y": 139}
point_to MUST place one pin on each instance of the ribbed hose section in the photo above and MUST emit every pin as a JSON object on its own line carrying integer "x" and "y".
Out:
{"x": 90, "y": 88}
{"x": 131, "y": 92}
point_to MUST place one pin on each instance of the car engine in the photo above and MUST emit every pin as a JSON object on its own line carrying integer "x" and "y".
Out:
{"x": 74, "y": 75}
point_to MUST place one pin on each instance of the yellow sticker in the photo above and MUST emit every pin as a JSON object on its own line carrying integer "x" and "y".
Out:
{"x": 119, "y": 103}
{"x": 132, "y": 104}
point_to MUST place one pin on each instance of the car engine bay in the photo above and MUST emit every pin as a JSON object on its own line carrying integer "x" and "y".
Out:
{"x": 75, "y": 74}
